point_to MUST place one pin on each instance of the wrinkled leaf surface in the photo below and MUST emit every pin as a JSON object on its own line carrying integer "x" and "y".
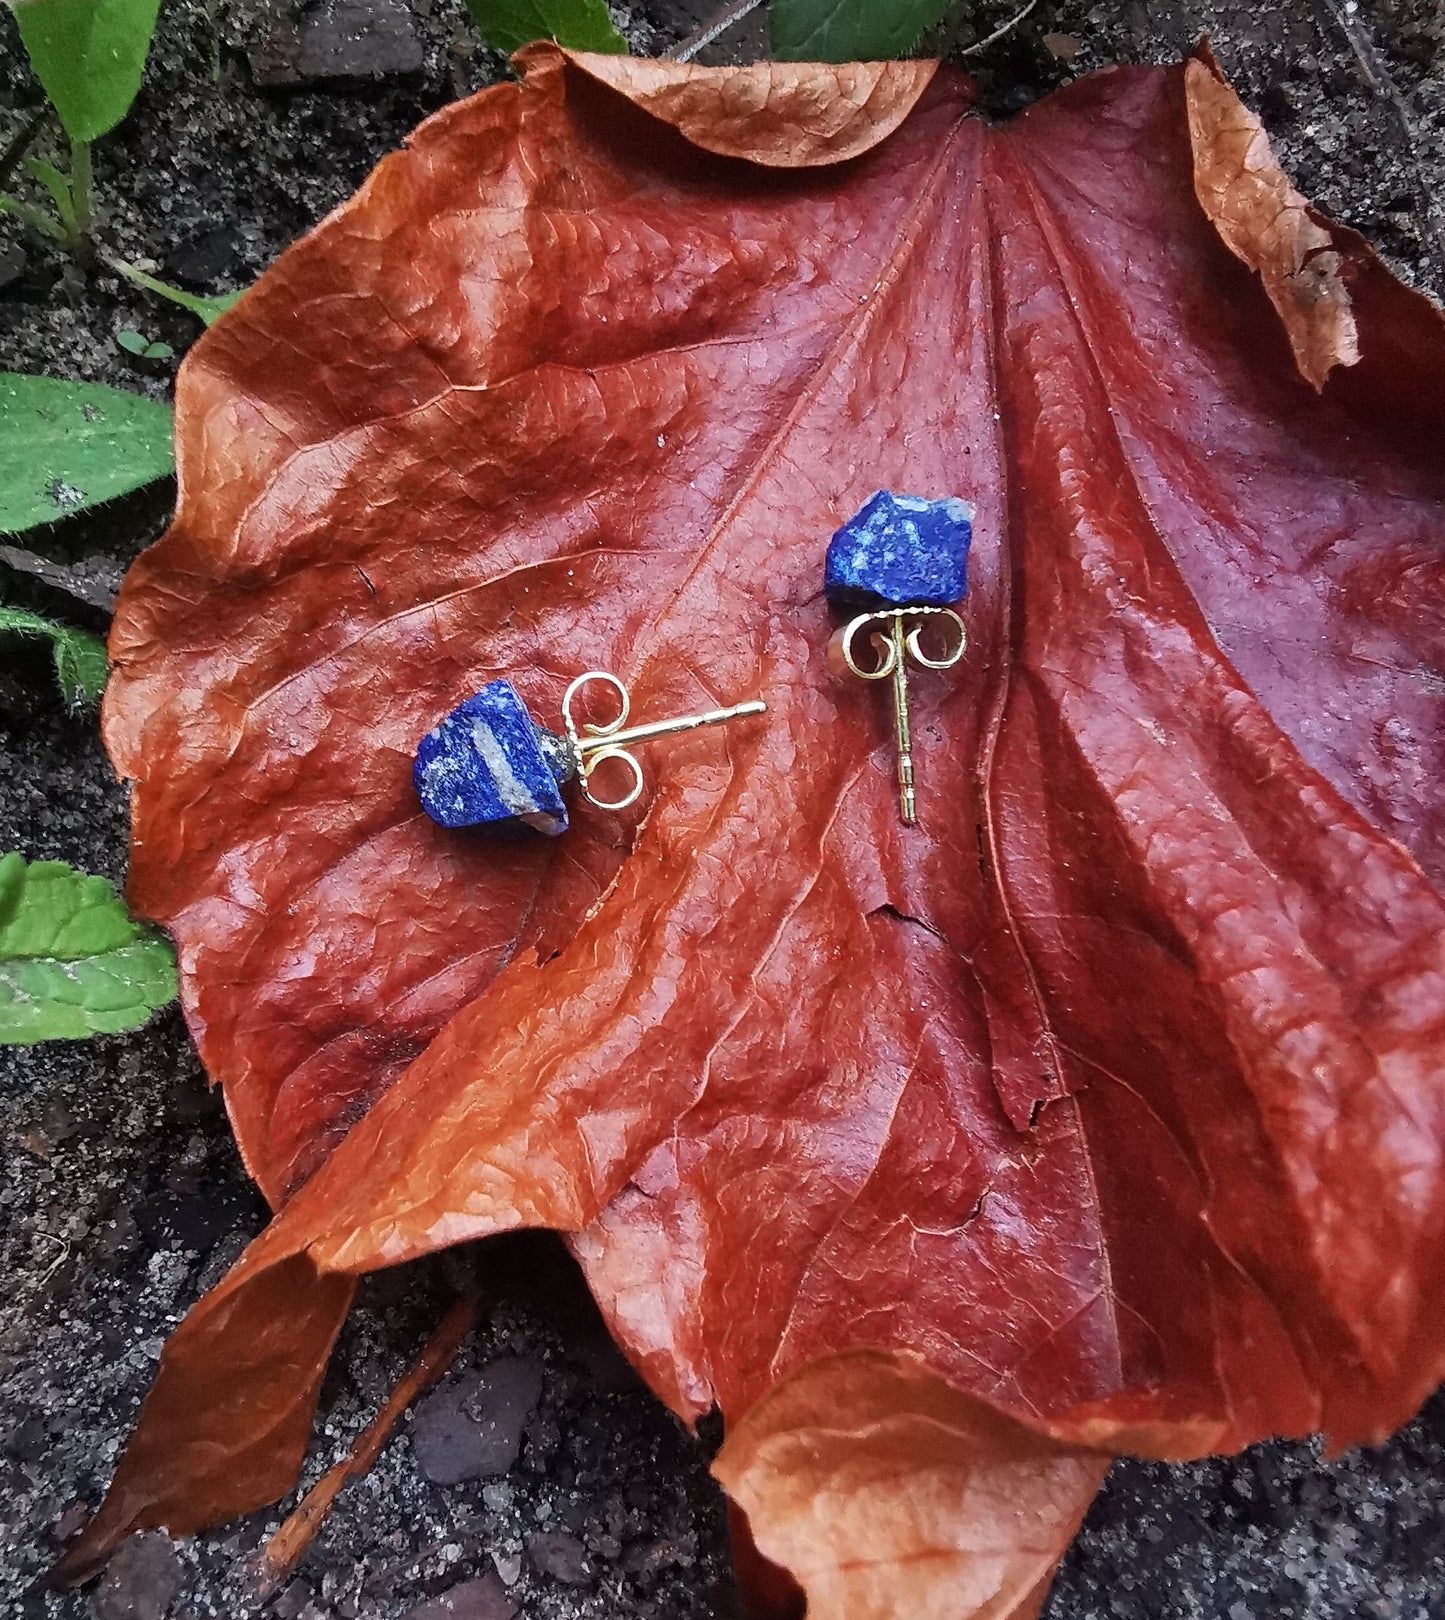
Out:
{"x": 1110, "y": 1094}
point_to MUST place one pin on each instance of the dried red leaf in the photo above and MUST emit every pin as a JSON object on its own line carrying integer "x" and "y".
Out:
{"x": 1268, "y": 224}
{"x": 1111, "y": 1092}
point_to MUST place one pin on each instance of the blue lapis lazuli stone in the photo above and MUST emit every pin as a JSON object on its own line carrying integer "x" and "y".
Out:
{"x": 488, "y": 762}
{"x": 900, "y": 551}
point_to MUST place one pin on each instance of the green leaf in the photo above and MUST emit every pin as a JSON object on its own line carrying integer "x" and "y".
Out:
{"x": 849, "y": 30}
{"x": 36, "y": 218}
{"x": 57, "y": 185}
{"x": 88, "y": 55}
{"x": 146, "y": 348}
{"x": 580, "y": 25}
{"x": 72, "y": 961}
{"x": 80, "y": 664}
{"x": 65, "y": 445}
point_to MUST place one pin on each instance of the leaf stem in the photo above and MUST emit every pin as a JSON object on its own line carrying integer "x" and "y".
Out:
{"x": 143, "y": 279}
{"x": 206, "y": 309}
{"x": 1377, "y": 77}
{"x": 288, "y": 1545}
{"x": 981, "y": 45}
{"x": 80, "y": 197}
{"x": 701, "y": 38}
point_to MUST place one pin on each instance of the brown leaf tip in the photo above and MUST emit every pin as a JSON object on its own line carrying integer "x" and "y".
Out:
{"x": 886, "y": 1492}
{"x": 1267, "y": 224}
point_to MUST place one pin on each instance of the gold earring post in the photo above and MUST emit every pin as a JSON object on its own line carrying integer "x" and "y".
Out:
{"x": 907, "y": 800}
{"x": 896, "y": 648}
{"x": 611, "y": 741}
{"x": 664, "y": 728}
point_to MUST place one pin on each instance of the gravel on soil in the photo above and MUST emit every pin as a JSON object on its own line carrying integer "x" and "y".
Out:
{"x": 539, "y": 1479}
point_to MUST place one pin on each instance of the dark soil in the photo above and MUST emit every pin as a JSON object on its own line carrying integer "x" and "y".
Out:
{"x": 123, "y": 1198}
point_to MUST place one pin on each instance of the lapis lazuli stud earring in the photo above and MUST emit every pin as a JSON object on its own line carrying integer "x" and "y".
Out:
{"x": 903, "y": 561}
{"x": 490, "y": 762}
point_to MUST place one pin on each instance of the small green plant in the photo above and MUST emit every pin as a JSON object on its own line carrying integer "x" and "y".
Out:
{"x": 80, "y": 665}
{"x": 88, "y": 56}
{"x": 142, "y": 347}
{"x": 73, "y": 962}
{"x": 66, "y": 445}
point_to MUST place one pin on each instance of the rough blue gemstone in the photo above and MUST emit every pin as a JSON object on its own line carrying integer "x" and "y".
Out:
{"x": 488, "y": 762}
{"x": 898, "y": 551}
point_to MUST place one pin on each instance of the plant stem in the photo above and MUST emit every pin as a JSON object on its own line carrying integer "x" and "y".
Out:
{"x": 206, "y": 309}
{"x": 1377, "y": 76}
{"x": 80, "y": 197}
{"x": 288, "y": 1545}
{"x": 982, "y": 45}
{"x": 686, "y": 49}
{"x": 140, "y": 278}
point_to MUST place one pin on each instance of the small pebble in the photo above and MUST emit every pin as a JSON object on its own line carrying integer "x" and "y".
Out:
{"x": 473, "y": 1429}
{"x": 142, "y": 1580}
{"x": 484, "y": 1598}
{"x": 561, "y": 1556}
{"x": 289, "y": 1604}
